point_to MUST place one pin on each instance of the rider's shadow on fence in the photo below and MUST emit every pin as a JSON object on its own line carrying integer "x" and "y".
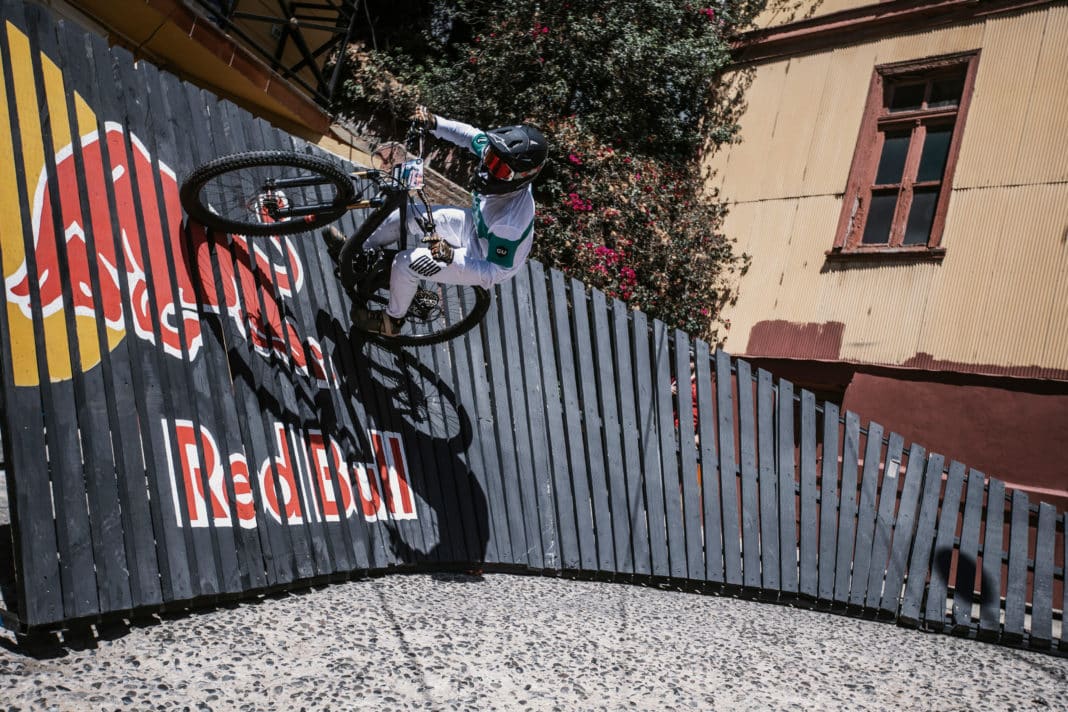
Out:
{"x": 401, "y": 392}
{"x": 960, "y": 575}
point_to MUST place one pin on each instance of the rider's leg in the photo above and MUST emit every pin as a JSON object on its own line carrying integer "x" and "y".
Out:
{"x": 389, "y": 231}
{"x": 454, "y": 225}
{"x": 411, "y": 266}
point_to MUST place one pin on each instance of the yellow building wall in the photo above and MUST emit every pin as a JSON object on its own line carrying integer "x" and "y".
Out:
{"x": 779, "y": 12}
{"x": 999, "y": 297}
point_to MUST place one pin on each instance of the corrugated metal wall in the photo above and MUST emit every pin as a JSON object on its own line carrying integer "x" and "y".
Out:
{"x": 998, "y": 297}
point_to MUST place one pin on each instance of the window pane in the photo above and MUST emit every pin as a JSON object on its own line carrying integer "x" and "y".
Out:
{"x": 880, "y": 215}
{"x": 946, "y": 92}
{"x": 892, "y": 160}
{"x": 921, "y": 215}
{"x": 935, "y": 151}
{"x": 907, "y": 97}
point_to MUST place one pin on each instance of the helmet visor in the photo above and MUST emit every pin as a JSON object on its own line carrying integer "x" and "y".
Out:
{"x": 496, "y": 166}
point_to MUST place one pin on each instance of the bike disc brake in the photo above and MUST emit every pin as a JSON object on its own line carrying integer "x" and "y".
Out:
{"x": 426, "y": 305}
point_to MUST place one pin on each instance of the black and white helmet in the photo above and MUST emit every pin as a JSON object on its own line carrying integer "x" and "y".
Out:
{"x": 513, "y": 157}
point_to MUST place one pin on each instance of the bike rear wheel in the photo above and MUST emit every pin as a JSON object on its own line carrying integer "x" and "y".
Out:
{"x": 438, "y": 313}
{"x": 267, "y": 193}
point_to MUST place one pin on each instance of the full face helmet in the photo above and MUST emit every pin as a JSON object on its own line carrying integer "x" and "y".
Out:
{"x": 513, "y": 157}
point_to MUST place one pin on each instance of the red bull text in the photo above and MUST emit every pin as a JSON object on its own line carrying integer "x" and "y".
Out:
{"x": 306, "y": 481}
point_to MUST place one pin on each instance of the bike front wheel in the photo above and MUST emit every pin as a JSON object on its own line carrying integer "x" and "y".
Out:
{"x": 267, "y": 193}
{"x": 439, "y": 312}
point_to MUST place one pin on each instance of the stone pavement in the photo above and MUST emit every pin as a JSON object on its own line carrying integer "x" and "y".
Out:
{"x": 512, "y": 642}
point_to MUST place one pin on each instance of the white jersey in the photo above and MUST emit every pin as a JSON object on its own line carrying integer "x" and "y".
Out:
{"x": 503, "y": 224}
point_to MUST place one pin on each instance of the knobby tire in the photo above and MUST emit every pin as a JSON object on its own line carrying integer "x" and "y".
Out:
{"x": 197, "y": 200}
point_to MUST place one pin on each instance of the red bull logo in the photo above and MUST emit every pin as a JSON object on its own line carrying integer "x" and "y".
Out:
{"x": 306, "y": 481}
{"x": 140, "y": 244}
{"x": 125, "y": 260}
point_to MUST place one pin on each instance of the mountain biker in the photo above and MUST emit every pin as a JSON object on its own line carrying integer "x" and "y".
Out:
{"x": 483, "y": 244}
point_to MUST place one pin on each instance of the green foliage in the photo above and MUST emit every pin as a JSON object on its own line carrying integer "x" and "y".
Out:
{"x": 629, "y": 94}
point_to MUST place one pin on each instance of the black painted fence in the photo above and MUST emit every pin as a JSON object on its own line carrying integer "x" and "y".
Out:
{"x": 187, "y": 419}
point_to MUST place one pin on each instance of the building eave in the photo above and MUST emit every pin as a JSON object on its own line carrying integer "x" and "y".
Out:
{"x": 865, "y": 23}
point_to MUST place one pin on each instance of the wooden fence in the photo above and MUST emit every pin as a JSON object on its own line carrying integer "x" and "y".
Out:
{"x": 187, "y": 419}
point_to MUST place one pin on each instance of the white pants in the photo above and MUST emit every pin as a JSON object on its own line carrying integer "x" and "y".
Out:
{"x": 454, "y": 225}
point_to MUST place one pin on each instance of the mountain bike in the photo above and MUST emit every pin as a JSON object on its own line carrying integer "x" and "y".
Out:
{"x": 281, "y": 193}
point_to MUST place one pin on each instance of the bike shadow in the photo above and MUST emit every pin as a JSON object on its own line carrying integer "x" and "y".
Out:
{"x": 405, "y": 392}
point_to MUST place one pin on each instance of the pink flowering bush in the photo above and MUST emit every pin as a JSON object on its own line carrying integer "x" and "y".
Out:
{"x": 638, "y": 230}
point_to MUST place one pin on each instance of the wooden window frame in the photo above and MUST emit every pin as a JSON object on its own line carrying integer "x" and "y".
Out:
{"x": 876, "y": 121}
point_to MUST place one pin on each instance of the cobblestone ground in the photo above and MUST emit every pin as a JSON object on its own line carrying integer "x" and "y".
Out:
{"x": 509, "y": 642}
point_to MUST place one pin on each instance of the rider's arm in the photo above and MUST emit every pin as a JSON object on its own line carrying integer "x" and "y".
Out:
{"x": 461, "y": 134}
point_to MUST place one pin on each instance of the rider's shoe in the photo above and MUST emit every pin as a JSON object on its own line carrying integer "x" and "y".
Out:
{"x": 378, "y": 322}
{"x": 334, "y": 240}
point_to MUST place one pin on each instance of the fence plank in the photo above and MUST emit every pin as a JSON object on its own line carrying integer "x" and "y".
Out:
{"x": 568, "y": 552}
{"x": 685, "y": 410}
{"x": 866, "y": 515}
{"x": 1016, "y": 582}
{"x": 152, "y": 377}
{"x": 580, "y": 488}
{"x": 312, "y": 554}
{"x": 668, "y": 488}
{"x": 465, "y": 498}
{"x": 541, "y": 479}
{"x": 276, "y": 565}
{"x": 342, "y": 417}
{"x": 196, "y": 148}
{"x": 884, "y": 525}
{"x": 35, "y": 539}
{"x": 902, "y": 542}
{"x": 387, "y": 383}
{"x": 629, "y": 424}
{"x": 593, "y": 427}
{"x": 924, "y": 542}
{"x": 213, "y": 563}
{"x": 524, "y": 439}
{"x": 42, "y": 124}
{"x": 847, "y": 507}
{"x": 506, "y": 443}
{"x": 327, "y": 545}
{"x": 964, "y": 587}
{"x": 768, "y": 484}
{"x": 1064, "y": 583}
{"x": 167, "y": 97}
{"x": 788, "y": 536}
{"x": 93, "y": 386}
{"x": 480, "y": 456}
{"x": 652, "y": 476}
{"x": 1042, "y": 592}
{"x": 604, "y": 358}
{"x": 709, "y": 467}
{"x": 288, "y": 543}
{"x": 809, "y": 545}
{"x": 942, "y": 553}
{"x": 750, "y": 495}
{"x": 990, "y": 596}
{"x": 728, "y": 470}
{"x": 828, "y": 502}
